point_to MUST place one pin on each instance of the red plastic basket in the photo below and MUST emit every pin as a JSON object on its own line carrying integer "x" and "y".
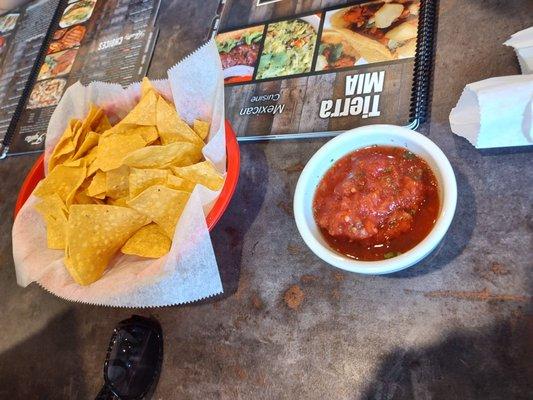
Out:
{"x": 233, "y": 166}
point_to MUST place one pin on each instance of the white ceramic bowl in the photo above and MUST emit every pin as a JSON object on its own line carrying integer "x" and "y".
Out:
{"x": 354, "y": 139}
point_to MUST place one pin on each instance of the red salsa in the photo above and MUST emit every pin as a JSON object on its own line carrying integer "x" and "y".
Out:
{"x": 376, "y": 203}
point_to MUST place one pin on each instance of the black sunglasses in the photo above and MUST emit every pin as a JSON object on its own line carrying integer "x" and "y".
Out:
{"x": 133, "y": 362}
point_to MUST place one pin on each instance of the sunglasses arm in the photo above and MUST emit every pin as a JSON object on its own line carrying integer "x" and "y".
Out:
{"x": 106, "y": 394}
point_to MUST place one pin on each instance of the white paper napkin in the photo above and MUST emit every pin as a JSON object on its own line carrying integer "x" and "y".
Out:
{"x": 189, "y": 272}
{"x": 497, "y": 112}
{"x": 522, "y": 42}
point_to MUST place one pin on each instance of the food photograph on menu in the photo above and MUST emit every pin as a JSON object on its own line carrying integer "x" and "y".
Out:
{"x": 46, "y": 93}
{"x": 289, "y": 47}
{"x": 379, "y": 31}
{"x": 57, "y": 64}
{"x": 77, "y": 13}
{"x": 336, "y": 51}
{"x": 8, "y": 22}
{"x": 67, "y": 38}
{"x": 239, "y": 51}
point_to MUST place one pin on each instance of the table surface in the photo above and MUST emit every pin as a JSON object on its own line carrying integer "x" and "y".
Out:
{"x": 452, "y": 327}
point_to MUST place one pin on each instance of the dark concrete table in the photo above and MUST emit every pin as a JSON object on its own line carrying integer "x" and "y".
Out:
{"x": 453, "y": 327}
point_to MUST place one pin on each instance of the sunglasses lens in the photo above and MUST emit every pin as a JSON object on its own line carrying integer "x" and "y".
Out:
{"x": 133, "y": 365}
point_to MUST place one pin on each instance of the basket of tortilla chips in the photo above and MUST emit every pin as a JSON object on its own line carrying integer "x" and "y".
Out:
{"x": 120, "y": 217}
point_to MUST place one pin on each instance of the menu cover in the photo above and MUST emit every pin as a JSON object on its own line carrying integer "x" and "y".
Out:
{"x": 297, "y": 69}
{"x": 22, "y": 32}
{"x": 89, "y": 40}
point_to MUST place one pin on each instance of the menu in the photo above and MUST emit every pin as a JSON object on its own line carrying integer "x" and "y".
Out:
{"x": 293, "y": 70}
{"x": 93, "y": 40}
{"x": 22, "y": 32}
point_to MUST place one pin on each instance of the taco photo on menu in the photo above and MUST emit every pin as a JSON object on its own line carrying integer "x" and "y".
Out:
{"x": 335, "y": 51}
{"x": 238, "y": 52}
{"x": 380, "y": 30}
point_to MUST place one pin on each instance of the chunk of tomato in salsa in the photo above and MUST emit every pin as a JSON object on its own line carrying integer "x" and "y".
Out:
{"x": 373, "y": 196}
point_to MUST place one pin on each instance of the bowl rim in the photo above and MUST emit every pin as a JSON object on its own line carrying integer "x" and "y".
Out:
{"x": 407, "y": 259}
{"x": 36, "y": 174}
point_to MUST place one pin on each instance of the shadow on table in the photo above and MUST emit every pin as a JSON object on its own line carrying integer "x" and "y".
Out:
{"x": 491, "y": 364}
{"x": 457, "y": 237}
{"x": 228, "y": 235}
{"x": 47, "y": 365}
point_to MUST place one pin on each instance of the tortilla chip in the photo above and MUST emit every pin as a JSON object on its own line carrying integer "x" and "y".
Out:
{"x": 89, "y": 159}
{"x": 90, "y": 141}
{"x": 121, "y": 202}
{"x": 65, "y": 145}
{"x": 201, "y": 128}
{"x": 146, "y": 87}
{"x": 171, "y": 128}
{"x": 64, "y": 181}
{"x": 149, "y": 241}
{"x": 162, "y": 206}
{"x": 203, "y": 173}
{"x": 144, "y": 113}
{"x": 73, "y": 163}
{"x": 175, "y": 182}
{"x": 97, "y": 187}
{"x": 140, "y": 179}
{"x": 94, "y": 234}
{"x": 148, "y": 133}
{"x": 117, "y": 182}
{"x": 179, "y": 153}
{"x": 103, "y": 125}
{"x": 54, "y": 212}
{"x": 81, "y": 197}
{"x": 91, "y": 121}
{"x": 112, "y": 150}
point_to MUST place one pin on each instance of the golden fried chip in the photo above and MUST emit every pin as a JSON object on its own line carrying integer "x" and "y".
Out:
{"x": 73, "y": 163}
{"x": 179, "y": 153}
{"x": 144, "y": 113}
{"x": 171, "y": 128}
{"x": 201, "y": 128}
{"x": 94, "y": 234}
{"x": 140, "y": 179}
{"x": 54, "y": 213}
{"x": 112, "y": 150}
{"x": 89, "y": 124}
{"x": 122, "y": 202}
{"x": 149, "y": 241}
{"x": 81, "y": 197}
{"x": 175, "y": 182}
{"x": 148, "y": 133}
{"x": 65, "y": 145}
{"x": 146, "y": 87}
{"x": 117, "y": 182}
{"x": 90, "y": 141}
{"x": 161, "y": 205}
{"x": 97, "y": 187}
{"x": 64, "y": 181}
{"x": 203, "y": 173}
{"x": 103, "y": 125}
{"x": 90, "y": 157}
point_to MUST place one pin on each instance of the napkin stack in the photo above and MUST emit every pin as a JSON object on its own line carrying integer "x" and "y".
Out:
{"x": 498, "y": 112}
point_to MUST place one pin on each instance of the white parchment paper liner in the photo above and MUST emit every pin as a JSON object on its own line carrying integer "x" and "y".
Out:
{"x": 189, "y": 272}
